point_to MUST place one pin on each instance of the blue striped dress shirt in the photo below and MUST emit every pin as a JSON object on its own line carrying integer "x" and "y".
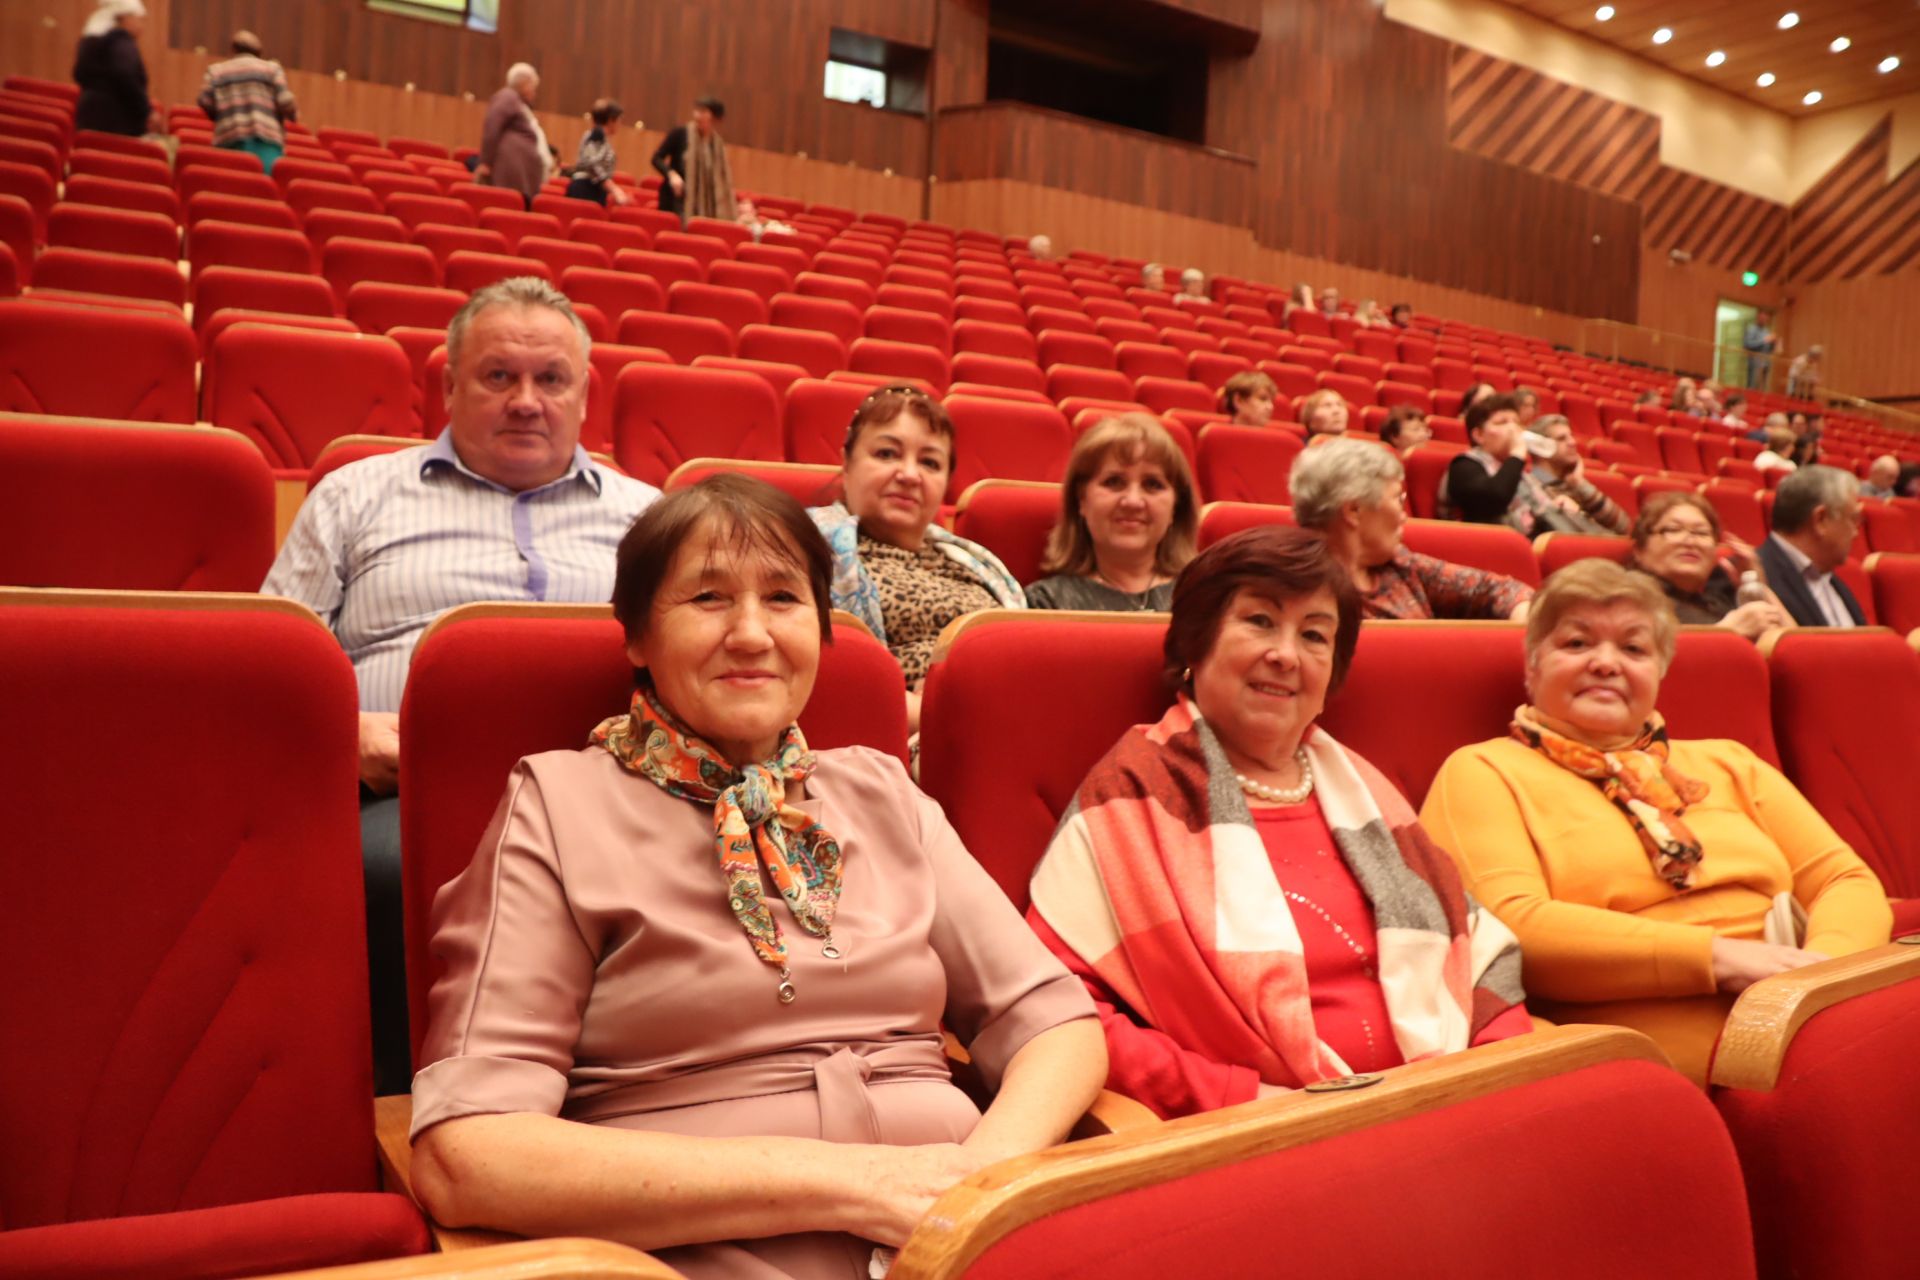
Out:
{"x": 383, "y": 546}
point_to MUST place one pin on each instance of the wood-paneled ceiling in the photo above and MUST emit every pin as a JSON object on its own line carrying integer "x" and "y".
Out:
{"x": 1748, "y": 32}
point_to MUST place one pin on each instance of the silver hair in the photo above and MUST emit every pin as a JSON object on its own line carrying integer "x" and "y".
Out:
{"x": 1334, "y": 472}
{"x": 520, "y": 71}
{"x": 1192, "y": 273}
{"x": 517, "y": 291}
{"x": 1545, "y": 420}
{"x": 1808, "y": 489}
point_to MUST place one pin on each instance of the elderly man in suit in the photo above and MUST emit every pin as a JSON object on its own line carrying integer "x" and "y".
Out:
{"x": 1816, "y": 513}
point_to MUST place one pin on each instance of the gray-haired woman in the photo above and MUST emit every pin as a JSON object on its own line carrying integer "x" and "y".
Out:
{"x": 1353, "y": 492}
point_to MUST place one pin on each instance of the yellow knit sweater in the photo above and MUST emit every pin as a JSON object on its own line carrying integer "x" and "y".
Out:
{"x": 1606, "y": 940}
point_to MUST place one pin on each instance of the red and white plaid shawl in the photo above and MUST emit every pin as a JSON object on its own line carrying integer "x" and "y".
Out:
{"x": 1158, "y": 879}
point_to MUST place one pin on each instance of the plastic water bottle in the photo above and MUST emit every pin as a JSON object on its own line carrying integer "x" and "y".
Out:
{"x": 1751, "y": 588}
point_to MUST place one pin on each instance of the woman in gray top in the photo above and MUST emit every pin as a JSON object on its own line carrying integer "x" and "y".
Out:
{"x": 1128, "y": 518}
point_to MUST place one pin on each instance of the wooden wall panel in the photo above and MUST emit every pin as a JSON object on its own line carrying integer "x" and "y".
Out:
{"x": 1345, "y": 113}
{"x": 1075, "y": 220}
{"x": 960, "y": 52}
{"x": 1012, "y": 140}
{"x": 766, "y": 61}
{"x": 1870, "y": 327}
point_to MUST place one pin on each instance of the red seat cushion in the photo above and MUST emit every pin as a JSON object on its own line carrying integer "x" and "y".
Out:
{"x": 294, "y": 1233}
{"x": 49, "y": 364}
{"x": 666, "y": 414}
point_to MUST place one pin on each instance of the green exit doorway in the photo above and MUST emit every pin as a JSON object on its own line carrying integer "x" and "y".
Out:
{"x": 1730, "y": 365}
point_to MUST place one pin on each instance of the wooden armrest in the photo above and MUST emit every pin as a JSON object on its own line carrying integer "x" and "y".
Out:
{"x": 392, "y": 1118}
{"x": 1113, "y": 1113}
{"x": 969, "y": 1218}
{"x": 1760, "y": 1029}
{"x": 563, "y": 1258}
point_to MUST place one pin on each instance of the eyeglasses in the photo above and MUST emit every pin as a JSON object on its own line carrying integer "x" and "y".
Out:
{"x": 1684, "y": 532}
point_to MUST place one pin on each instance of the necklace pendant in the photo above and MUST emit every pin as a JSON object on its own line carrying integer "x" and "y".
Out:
{"x": 786, "y": 990}
{"x": 830, "y": 951}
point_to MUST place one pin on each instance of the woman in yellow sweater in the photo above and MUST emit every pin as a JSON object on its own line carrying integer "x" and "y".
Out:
{"x": 1638, "y": 874}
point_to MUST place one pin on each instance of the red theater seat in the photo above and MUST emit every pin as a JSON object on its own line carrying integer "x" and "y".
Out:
{"x": 682, "y": 337}
{"x": 292, "y": 391}
{"x": 1006, "y": 440}
{"x": 119, "y": 275}
{"x": 1245, "y": 464}
{"x": 562, "y": 256}
{"x": 198, "y": 1083}
{"x": 664, "y": 415}
{"x": 706, "y": 250}
{"x": 828, "y": 315}
{"x": 733, "y": 308}
{"x": 305, "y": 196}
{"x": 1895, "y": 590}
{"x": 807, "y": 484}
{"x": 920, "y": 328}
{"x": 1224, "y": 519}
{"x": 139, "y": 197}
{"x": 818, "y": 413}
{"x": 614, "y": 292}
{"x": 988, "y": 338}
{"x": 108, "y": 164}
{"x": 517, "y": 225}
{"x": 86, "y": 226}
{"x": 494, "y": 683}
{"x": 376, "y": 307}
{"x": 221, "y": 288}
{"x": 480, "y": 199}
{"x": 132, "y": 507}
{"x": 443, "y": 241}
{"x": 235, "y": 244}
{"x": 1165, "y": 394}
{"x": 1492, "y": 547}
{"x": 611, "y": 236}
{"x": 1211, "y": 369}
{"x": 1010, "y": 518}
{"x": 759, "y": 278}
{"x": 817, "y": 352}
{"x": 347, "y": 261}
{"x": 899, "y": 359}
{"x": 1067, "y": 381}
{"x": 419, "y": 211}
{"x": 999, "y": 371}
{"x": 469, "y": 272}
{"x": 1555, "y": 551}
{"x": 1150, "y": 360}
{"x": 1086, "y": 350}
{"x": 51, "y": 362}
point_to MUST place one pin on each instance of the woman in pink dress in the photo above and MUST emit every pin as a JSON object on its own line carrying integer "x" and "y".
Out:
{"x": 635, "y": 1039}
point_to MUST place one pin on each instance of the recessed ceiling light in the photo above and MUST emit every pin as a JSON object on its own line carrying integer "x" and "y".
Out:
{"x": 1603, "y": 14}
{"x": 1812, "y": 98}
{"x": 1663, "y": 35}
{"x": 1788, "y": 21}
{"x": 1840, "y": 45}
{"x": 1889, "y": 64}
{"x": 1765, "y": 80}
{"x": 1717, "y": 57}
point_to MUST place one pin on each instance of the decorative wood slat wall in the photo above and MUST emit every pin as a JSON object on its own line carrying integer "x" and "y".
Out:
{"x": 1855, "y": 222}
{"x": 1518, "y": 116}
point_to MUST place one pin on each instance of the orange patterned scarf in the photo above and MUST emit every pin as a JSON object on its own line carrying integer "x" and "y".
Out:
{"x": 1639, "y": 781}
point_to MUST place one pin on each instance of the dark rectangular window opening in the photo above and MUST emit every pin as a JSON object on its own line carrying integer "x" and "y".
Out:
{"x": 1104, "y": 60}
{"x": 879, "y": 73}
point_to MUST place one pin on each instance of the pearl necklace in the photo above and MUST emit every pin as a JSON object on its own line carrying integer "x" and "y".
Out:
{"x": 1281, "y": 795}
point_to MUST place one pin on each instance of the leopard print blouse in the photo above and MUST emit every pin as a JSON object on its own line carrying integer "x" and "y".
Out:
{"x": 920, "y": 593}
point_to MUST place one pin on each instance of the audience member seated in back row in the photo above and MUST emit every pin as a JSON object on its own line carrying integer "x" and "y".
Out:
{"x": 894, "y": 567}
{"x": 1526, "y": 403}
{"x": 1883, "y": 478}
{"x": 1481, "y": 483}
{"x": 1678, "y": 542}
{"x": 1153, "y": 276}
{"x": 1573, "y": 502}
{"x": 633, "y": 1040}
{"x": 1353, "y": 493}
{"x": 1128, "y": 516}
{"x": 1816, "y": 515}
{"x": 1324, "y": 413}
{"x": 1193, "y": 287}
{"x": 1649, "y": 881}
{"x": 1254, "y": 907}
{"x": 1778, "y": 455}
{"x": 1401, "y": 317}
{"x": 1368, "y": 313}
{"x": 1248, "y": 399}
{"x": 1476, "y": 393}
{"x": 503, "y": 505}
{"x": 1405, "y": 428}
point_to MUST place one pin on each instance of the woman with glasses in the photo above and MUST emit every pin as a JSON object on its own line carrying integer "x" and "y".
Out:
{"x": 1678, "y": 542}
{"x": 1649, "y": 881}
{"x": 894, "y": 567}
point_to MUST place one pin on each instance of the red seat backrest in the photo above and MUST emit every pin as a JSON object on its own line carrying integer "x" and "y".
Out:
{"x": 666, "y": 414}
{"x": 900, "y": 324}
{"x": 808, "y": 483}
{"x": 1738, "y": 506}
{"x": 732, "y": 307}
{"x": 1211, "y": 369}
{"x": 1888, "y": 528}
{"x": 377, "y": 307}
{"x": 49, "y": 362}
{"x": 1150, "y": 359}
{"x": 124, "y": 275}
{"x": 818, "y": 352}
{"x": 1006, "y": 440}
{"x": 291, "y": 391}
{"x": 1554, "y": 551}
{"x": 1001, "y": 371}
{"x": 814, "y": 426}
{"x": 1088, "y": 350}
{"x": 1223, "y": 519}
{"x": 274, "y": 291}
{"x": 836, "y": 316}
{"x": 683, "y": 337}
{"x": 988, "y": 338}
{"x": 191, "y": 956}
{"x": 132, "y": 507}
{"x": 1895, "y": 590}
{"x": 1012, "y": 519}
{"x": 1245, "y": 464}
{"x": 486, "y": 688}
{"x": 900, "y": 359}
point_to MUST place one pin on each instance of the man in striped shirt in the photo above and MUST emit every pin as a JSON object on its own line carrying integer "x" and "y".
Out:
{"x": 503, "y": 505}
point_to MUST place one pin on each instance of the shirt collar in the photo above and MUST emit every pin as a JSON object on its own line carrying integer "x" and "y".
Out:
{"x": 441, "y": 455}
{"x": 1802, "y": 562}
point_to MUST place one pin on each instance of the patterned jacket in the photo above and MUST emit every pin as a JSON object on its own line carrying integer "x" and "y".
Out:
{"x": 247, "y": 97}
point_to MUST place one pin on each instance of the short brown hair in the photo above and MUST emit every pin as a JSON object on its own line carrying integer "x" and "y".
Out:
{"x": 1483, "y": 409}
{"x": 888, "y": 403}
{"x": 1655, "y": 509}
{"x": 1245, "y": 384}
{"x": 1397, "y": 419}
{"x": 1599, "y": 581}
{"x": 1128, "y": 438}
{"x": 757, "y": 516}
{"x": 1278, "y": 560}
{"x": 1314, "y": 399}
